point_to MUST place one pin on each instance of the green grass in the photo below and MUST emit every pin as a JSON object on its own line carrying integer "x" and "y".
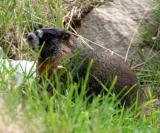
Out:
{"x": 61, "y": 113}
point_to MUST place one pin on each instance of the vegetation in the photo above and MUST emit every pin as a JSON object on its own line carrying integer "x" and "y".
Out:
{"x": 60, "y": 113}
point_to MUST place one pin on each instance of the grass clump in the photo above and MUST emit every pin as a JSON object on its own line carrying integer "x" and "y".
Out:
{"x": 60, "y": 112}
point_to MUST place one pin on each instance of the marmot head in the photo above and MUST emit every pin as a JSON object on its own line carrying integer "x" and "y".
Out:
{"x": 50, "y": 42}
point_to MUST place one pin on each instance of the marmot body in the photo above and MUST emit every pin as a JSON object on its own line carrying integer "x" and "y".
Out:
{"x": 57, "y": 45}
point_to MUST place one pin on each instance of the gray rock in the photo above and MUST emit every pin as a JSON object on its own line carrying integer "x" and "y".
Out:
{"x": 14, "y": 72}
{"x": 117, "y": 25}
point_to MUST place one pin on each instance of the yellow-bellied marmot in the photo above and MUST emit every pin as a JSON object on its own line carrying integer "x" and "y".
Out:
{"x": 55, "y": 45}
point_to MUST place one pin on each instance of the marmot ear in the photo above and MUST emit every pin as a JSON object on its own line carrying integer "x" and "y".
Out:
{"x": 65, "y": 36}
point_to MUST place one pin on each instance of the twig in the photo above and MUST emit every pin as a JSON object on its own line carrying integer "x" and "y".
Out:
{"x": 99, "y": 45}
{"x": 143, "y": 63}
{"x": 134, "y": 34}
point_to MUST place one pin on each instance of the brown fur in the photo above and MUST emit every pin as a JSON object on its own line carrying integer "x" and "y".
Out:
{"x": 105, "y": 67}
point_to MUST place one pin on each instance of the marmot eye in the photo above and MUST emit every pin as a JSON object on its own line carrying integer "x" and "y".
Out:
{"x": 65, "y": 36}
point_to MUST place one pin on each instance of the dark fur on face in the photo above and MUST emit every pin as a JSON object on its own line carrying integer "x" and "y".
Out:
{"x": 48, "y": 41}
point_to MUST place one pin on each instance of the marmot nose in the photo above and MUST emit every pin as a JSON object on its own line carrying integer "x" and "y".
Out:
{"x": 30, "y": 37}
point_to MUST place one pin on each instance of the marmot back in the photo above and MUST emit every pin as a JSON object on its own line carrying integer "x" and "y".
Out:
{"x": 105, "y": 67}
{"x": 57, "y": 45}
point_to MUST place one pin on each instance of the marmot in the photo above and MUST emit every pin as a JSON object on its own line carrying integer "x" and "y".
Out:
{"x": 55, "y": 45}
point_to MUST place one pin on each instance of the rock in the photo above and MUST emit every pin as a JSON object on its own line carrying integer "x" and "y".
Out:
{"x": 118, "y": 24}
{"x": 16, "y": 125}
{"x": 7, "y": 124}
{"x": 13, "y": 72}
{"x": 1, "y": 53}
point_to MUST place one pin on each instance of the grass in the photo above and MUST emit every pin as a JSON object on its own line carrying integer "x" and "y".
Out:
{"x": 60, "y": 113}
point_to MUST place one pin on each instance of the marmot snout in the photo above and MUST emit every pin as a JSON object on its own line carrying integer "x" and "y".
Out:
{"x": 55, "y": 45}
